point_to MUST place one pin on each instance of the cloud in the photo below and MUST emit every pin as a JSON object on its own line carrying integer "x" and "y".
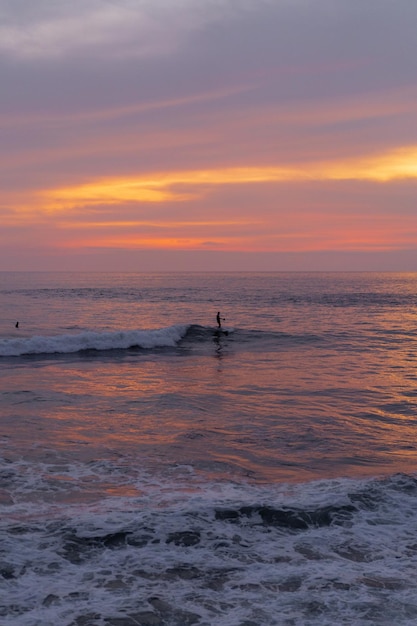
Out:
{"x": 223, "y": 124}
{"x": 109, "y": 28}
{"x": 63, "y": 32}
{"x": 186, "y": 185}
{"x": 239, "y": 34}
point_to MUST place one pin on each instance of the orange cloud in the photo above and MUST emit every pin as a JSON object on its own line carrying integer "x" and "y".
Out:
{"x": 109, "y": 191}
{"x": 181, "y": 234}
{"x": 296, "y": 231}
{"x": 163, "y": 187}
{"x": 106, "y": 212}
{"x": 133, "y": 242}
{"x": 397, "y": 164}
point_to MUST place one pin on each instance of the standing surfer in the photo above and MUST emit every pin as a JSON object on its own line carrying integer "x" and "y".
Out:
{"x": 219, "y": 319}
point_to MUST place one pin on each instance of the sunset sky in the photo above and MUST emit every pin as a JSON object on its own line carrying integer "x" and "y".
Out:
{"x": 208, "y": 134}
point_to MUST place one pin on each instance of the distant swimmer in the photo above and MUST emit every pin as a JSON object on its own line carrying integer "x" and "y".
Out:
{"x": 16, "y": 325}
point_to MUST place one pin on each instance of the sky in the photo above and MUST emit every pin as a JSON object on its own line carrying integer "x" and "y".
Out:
{"x": 252, "y": 135}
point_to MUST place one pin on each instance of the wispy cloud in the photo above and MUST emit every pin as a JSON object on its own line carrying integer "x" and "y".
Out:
{"x": 183, "y": 186}
{"x": 111, "y": 28}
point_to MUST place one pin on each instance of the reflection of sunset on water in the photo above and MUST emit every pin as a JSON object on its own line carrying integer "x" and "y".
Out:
{"x": 341, "y": 413}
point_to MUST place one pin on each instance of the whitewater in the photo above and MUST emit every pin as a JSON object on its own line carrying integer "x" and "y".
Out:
{"x": 65, "y": 344}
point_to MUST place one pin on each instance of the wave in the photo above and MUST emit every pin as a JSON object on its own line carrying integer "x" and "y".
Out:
{"x": 186, "y": 335}
{"x": 185, "y": 552}
{"x": 89, "y": 340}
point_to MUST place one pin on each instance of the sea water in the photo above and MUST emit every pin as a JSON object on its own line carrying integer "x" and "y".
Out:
{"x": 155, "y": 470}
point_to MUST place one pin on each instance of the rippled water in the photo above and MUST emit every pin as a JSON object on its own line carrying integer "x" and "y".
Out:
{"x": 157, "y": 471}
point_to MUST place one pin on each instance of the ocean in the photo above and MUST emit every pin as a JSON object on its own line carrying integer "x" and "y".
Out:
{"x": 158, "y": 471}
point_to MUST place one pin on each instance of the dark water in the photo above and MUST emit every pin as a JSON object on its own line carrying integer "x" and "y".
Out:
{"x": 157, "y": 471}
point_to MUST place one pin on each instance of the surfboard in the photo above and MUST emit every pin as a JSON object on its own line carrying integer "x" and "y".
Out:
{"x": 220, "y": 331}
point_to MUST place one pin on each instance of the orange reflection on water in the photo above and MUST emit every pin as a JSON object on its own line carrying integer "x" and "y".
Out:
{"x": 297, "y": 412}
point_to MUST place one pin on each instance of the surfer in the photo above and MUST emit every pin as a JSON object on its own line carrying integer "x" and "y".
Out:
{"x": 219, "y": 332}
{"x": 219, "y": 324}
{"x": 219, "y": 319}
{"x": 16, "y": 325}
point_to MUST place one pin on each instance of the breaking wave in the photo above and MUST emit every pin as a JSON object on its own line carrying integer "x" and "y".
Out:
{"x": 89, "y": 340}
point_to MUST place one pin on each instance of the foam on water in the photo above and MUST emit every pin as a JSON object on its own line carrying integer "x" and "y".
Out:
{"x": 188, "y": 551}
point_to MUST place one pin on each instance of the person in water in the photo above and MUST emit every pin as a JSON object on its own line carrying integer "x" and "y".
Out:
{"x": 16, "y": 325}
{"x": 219, "y": 319}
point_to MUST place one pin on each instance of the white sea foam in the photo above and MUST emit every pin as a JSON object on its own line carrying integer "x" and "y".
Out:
{"x": 64, "y": 344}
{"x": 167, "y": 555}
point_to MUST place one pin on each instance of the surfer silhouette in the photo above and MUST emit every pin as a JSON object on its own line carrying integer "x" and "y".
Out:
{"x": 219, "y": 323}
{"x": 219, "y": 332}
{"x": 16, "y": 325}
{"x": 219, "y": 319}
